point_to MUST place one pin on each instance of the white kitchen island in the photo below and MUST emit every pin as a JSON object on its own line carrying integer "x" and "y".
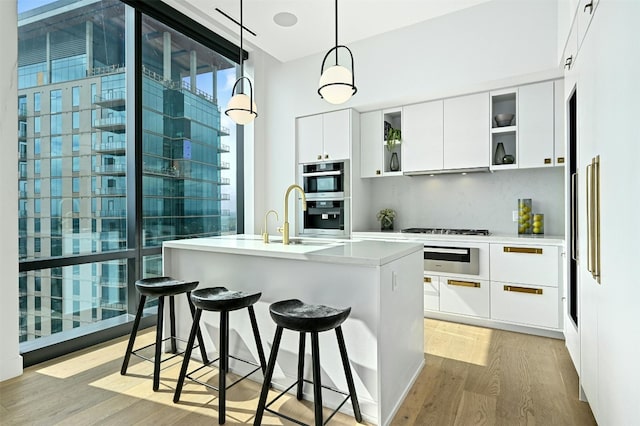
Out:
{"x": 380, "y": 281}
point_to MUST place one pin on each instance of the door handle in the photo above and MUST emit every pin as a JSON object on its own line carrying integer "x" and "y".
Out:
{"x": 464, "y": 283}
{"x": 574, "y": 222}
{"x": 528, "y": 250}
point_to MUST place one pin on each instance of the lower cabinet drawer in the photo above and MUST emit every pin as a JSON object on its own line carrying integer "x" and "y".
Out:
{"x": 464, "y": 296}
{"x": 431, "y": 293}
{"x": 525, "y": 304}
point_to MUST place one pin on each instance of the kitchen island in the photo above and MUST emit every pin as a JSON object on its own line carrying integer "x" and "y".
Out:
{"x": 380, "y": 281}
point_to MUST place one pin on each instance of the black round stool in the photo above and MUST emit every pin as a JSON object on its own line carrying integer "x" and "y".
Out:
{"x": 296, "y": 315}
{"x": 219, "y": 299}
{"x": 160, "y": 287}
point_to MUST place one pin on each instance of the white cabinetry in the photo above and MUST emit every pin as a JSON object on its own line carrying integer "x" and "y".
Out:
{"x": 431, "y": 293}
{"x": 371, "y": 129}
{"x": 524, "y": 284}
{"x": 376, "y": 156}
{"x": 324, "y": 136}
{"x": 466, "y": 131}
{"x": 584, "y": 15}
{"x": 536, "y": 125}
{"x": 423, "y": 137}
{"x": 464, "y": 296}
{"x": 559, "y": 142}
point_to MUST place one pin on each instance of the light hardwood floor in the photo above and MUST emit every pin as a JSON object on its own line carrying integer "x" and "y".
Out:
{"x": 472, "y": 376}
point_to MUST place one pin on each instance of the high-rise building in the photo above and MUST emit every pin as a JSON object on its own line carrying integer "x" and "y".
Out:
{"x": 78, "y": 191}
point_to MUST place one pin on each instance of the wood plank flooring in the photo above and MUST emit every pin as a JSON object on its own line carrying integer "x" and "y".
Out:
{"x": 472, "y": 376}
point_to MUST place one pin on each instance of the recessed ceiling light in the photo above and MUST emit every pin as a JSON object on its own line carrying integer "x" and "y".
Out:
{"x": 285, "y": 19}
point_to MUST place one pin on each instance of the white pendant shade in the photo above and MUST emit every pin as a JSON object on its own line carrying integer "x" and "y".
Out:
{"x": 240, "y": 110}
{"x": 338, "y": 87}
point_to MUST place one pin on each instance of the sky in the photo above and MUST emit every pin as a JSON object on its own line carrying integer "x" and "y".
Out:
{"x": 24, "y": 5}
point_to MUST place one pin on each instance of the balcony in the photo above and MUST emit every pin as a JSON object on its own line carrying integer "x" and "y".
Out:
{"x": 114, "y": 99}
{"x": 224, "y": 165}
{"x": 111, "y": 169}
{"x": 110, "y": 191}
{"x": 224, "y": 181}
{"x": 223, "y": 148}
{"x": 112, "y": 213}
{"x": 22, "y": 134}
{"x": 111, "y": 147}
{"x": 111, "y": 124}
{"x": 22, "y": 112}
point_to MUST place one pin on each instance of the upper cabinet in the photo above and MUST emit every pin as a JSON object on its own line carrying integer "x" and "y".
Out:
{"x": 324, "y": 136}
{"x": 371, "y": 129}
{"x": 466, "y": 132}
{"x": 530, "y": 134}
{"x": 504, "y": 129}
{"x": 379, "y": 157}
{"x": 536, "y": 125}
{"x": 423, "y": 137}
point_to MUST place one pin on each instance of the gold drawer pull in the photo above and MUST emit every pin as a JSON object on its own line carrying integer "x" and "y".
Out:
{"x": 529, "y": 250}
{"x": 464, "y": 283}
{"x": 560, "y": 160}
{"x": 427, "y": 279}
{"x": 523, "y": 289}
{"x": 547, "y": 161}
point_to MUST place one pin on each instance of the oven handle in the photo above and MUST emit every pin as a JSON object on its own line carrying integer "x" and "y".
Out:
{"x": 320, "y": 174}
{"x": 446, "y": 250}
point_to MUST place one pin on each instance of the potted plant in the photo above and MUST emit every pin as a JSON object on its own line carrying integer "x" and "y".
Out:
{"x": 393, "y": 137}
{"x": 386, "y": 216}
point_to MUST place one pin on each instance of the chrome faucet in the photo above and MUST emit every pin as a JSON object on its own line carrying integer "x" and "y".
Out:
{"x": 265, "y": 234}
{"x": 285, "y": 226}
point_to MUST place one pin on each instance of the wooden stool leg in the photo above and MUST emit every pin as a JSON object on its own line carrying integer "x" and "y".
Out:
{"x": 224, "y": 366}
{"x": 301, "y": 348}
{"x": 172, "y": 320}
{"x": 347, "y": 373}
{"x": 134, "y": 332}
{"x": 267, "y": 377}
{"x": 195, "y": 328}
{"x": 256, "y": 335}
{"x": 157, "y": 359}
{"x": 203, "y": 350}
{"x": 317, "y": 385}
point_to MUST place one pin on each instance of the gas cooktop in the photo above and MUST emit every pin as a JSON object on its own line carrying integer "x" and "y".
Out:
{"x": 445, "y": 231}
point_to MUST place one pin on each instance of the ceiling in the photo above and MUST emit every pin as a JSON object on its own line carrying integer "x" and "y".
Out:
{"x": 315, "y": 30}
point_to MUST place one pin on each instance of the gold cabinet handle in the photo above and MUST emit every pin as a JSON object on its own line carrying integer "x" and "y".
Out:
{"x": 560, "y": 160}
{"x": 523, "y": 289}
{"x": 593, "y": 220}
{"x": 547, "y": 161}
{"x": 464, "y": 283}
{"x": 377, "y": 172}
{"x": 589, "y": 219}
{"x": 528, "y": 250}
{"x": 319, "y": 157}
{"x": 427, "y": 279}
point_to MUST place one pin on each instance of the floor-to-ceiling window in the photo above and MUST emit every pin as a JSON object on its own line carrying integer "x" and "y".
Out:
{"x": 121, "y": 146}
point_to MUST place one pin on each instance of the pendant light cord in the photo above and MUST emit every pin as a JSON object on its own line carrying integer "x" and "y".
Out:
{"x": 241, "y": 49}
{"x": 336, "y": 32}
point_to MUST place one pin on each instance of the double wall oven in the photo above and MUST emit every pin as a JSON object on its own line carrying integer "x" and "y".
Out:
{"x": 326, "y": 186}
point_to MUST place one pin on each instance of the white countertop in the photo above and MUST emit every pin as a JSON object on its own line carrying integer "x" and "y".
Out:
{"x": 354, "y": 251}
{"x": 556, "y": 240}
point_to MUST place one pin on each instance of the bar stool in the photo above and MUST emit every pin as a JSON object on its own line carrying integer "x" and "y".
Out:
{"x": 298, "y": 316}
{"x": 219, "y": 299}
{"x": 160, "y": 287}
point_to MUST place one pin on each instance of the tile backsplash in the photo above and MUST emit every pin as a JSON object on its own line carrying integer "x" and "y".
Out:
{"x": 476, "y": 200}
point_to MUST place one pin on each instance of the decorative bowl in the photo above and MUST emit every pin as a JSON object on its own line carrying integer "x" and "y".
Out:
{"x": 503, "y": 119}
{"x": 508, "y": 159}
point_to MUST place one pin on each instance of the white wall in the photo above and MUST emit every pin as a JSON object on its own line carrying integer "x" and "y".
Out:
{"x": 490, "y": 45}
{"x": 10, "y": 359}
{"x": 475, "y": 201}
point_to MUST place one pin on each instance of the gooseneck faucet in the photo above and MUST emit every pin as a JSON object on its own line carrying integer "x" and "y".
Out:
{"x": 285, "y": 226}
{"x": 265, "y": 234}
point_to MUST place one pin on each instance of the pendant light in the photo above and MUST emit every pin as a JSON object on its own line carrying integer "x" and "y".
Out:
{"x": 241, "y": 107}
{"x": 337, "y": 83}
